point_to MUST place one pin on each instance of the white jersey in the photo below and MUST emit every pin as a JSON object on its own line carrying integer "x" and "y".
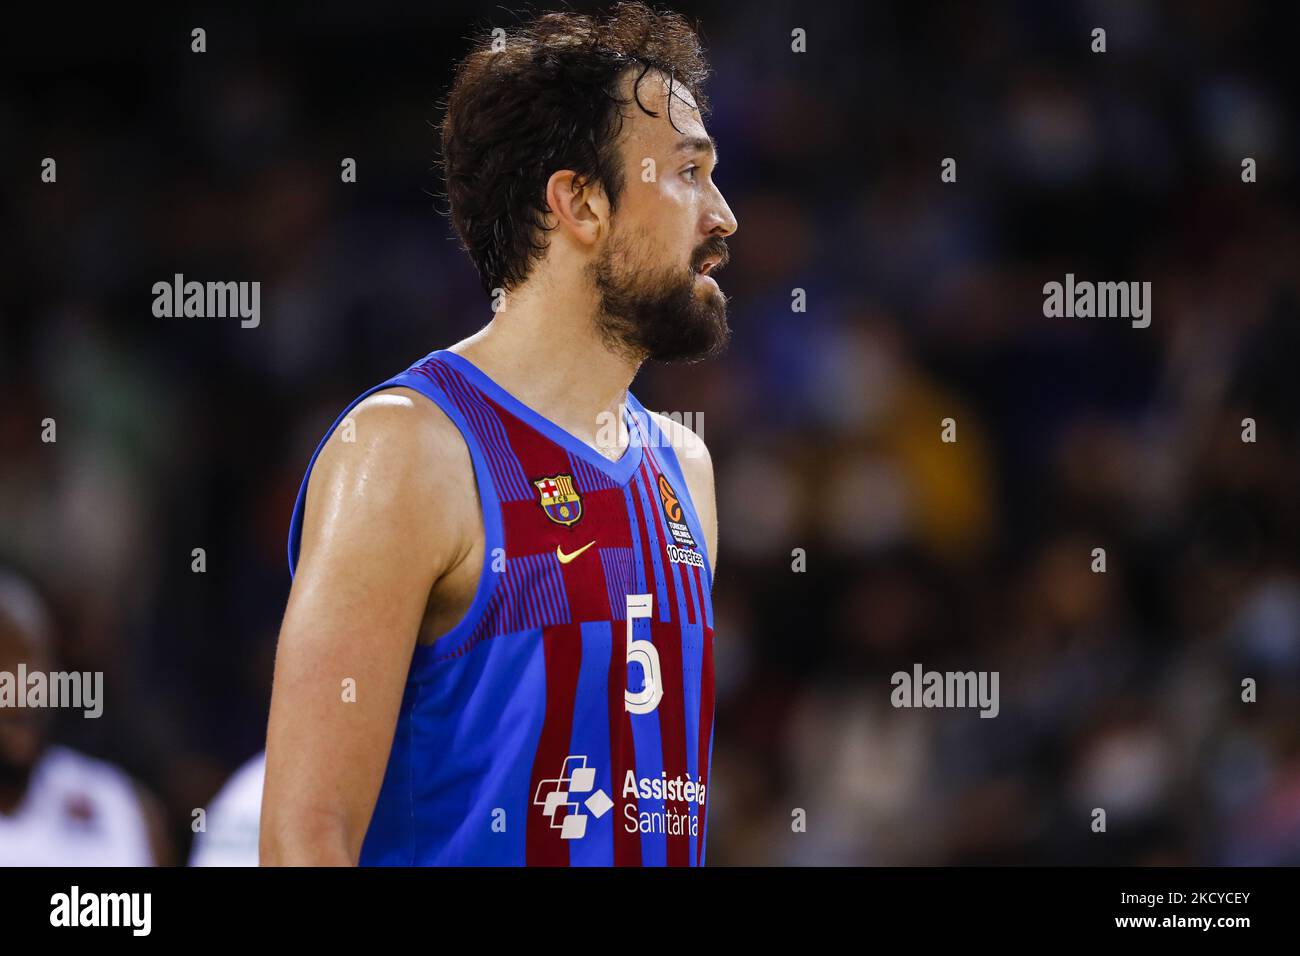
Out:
{"x": 77, "y": 811}
{"x": 233, "y": 820}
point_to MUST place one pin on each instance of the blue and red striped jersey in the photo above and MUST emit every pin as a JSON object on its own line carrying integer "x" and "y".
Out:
{"x": 567, "y": 719}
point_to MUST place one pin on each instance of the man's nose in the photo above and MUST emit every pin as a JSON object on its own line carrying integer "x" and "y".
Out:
{"x": 722, "y": 220}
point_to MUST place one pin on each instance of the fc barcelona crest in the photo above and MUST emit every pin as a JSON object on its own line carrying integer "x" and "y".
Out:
{"x": 558, "y": 499}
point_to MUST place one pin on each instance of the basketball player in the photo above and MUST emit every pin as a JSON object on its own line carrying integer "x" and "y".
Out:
{"x": 230, "y": 837}
{"x": 498, "y": 646}
{"x": 59, "y": 807}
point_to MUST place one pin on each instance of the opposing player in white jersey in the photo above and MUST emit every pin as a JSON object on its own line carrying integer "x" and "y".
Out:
{"x": 230, "y": 833}
{"x": 59, "y": 807}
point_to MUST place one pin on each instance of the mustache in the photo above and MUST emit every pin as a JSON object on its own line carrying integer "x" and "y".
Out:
{"x": 717, "y": 246}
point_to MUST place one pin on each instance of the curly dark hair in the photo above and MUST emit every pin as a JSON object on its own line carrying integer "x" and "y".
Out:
{"x": 544, "y": 97}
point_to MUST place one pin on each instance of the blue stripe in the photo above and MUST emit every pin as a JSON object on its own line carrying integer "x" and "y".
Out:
{"x": 708, "y": 798}
{"x": 590, "y": 737}
{"x": 692, "y": 684}
{"x": 469, "y": 762}
{"x": 648, "y": 745}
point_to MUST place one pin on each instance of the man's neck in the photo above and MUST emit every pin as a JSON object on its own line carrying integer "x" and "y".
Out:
{"x": 550, "y": 355}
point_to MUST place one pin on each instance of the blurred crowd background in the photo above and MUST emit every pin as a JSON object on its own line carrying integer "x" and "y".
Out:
{"x": 1119, "y": 690}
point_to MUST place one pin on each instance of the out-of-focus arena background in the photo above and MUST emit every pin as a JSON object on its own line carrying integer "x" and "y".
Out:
{"x": 1120, "y": 689}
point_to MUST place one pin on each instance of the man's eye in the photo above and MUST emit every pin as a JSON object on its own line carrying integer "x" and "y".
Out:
{"x": 689, "y": 173}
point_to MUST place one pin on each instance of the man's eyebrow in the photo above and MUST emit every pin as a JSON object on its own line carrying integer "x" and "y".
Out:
{"x": 698, "y": 144}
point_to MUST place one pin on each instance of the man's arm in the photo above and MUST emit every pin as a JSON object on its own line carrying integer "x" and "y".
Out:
{"x": 697, "y": 468}
{"x": 385, "y": 517}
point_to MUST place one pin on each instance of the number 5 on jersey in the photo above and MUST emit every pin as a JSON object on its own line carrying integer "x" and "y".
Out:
{"x": 647, "y": 655}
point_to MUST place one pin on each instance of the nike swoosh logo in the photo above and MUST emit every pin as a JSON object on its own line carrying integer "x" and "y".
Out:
{"x": 566, "y": 558}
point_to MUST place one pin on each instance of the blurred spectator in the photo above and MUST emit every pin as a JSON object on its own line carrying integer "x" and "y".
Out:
{"x": 59, "y": 807}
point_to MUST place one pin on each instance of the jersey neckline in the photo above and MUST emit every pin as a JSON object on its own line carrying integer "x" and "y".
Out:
{"x": 619, "y": 471}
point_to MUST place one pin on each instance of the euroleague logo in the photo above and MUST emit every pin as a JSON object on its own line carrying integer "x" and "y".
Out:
{"x": 672, "y": 506}
{"x": 676, "y": 519}
{"x": 683, "y": 552}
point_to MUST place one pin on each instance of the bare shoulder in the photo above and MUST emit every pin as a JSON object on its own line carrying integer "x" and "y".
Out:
{"x": 697, "y": 468}
{"x": 404, "y": 421}
{"x": 394, "y": 453}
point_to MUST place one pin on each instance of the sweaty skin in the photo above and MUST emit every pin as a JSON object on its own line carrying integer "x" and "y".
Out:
{"x": 380, "y": 569}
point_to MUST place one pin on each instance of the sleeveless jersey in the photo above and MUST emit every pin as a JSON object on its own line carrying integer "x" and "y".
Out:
{"x": 567, "y": 719}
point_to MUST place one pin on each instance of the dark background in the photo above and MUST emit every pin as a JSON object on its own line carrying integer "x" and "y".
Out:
{"x": 1119, "y": 690}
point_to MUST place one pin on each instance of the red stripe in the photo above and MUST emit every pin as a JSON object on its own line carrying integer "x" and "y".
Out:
{"x": 698, "y": 574}
{"x": 562, "y": 646}
{"x": 622, "y": 751}
{"x": 692, "y": 608}
{"x": 672, "y": 732}
{"x": 706, "y": 731}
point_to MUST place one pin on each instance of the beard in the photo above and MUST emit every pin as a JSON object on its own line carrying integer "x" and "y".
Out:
{"x": 644, "y": 312}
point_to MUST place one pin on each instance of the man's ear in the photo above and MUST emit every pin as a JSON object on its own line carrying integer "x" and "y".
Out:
{"x": 580, "y": 209}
